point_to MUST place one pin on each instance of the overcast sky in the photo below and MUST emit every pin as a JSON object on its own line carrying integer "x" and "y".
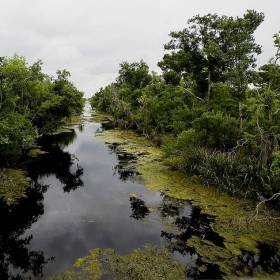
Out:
{"x": 90, "y": 38}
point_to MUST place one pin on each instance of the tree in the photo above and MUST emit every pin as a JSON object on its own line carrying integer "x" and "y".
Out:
{"x": 214, "y": 49}
{"x": 14, "y": 73}
{"x": 196, "y": 55}
{"x": 30, "y": 102}
{"x": 133, "y": 75}
{"x": 71, "y": 102}
{"x": 240, "y": 47}
{"x": 17, "y": 135}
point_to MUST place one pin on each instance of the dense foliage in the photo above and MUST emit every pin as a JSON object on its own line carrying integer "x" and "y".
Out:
{"x": 215, "y": 115}
{"x": 31, "y": 103}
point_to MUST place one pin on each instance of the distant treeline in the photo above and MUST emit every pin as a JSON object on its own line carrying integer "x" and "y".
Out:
{"x": 216, "y": 116}
{"x": 31, "y": 103}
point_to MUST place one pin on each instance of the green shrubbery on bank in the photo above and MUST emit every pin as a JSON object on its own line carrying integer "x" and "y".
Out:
{"x": 215, "y": 115}
{"x": 31, "y": 103}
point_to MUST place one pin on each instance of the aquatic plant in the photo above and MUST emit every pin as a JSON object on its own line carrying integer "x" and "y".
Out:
{"x": 149, "y": 263}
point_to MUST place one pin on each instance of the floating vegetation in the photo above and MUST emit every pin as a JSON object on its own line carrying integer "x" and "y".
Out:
{"x": 100, "y": 118}
{"x": 69, "y": 124}
{"x": 134, "y": 195}
{"x": 74, "y": 120}
{"x": 62, "y": 130}
{"x": 229, "y": 230}
{"x": 265, "y": 261}
{"x": 149, "y": 263}
{"x": 35, "y": 152}
{"x": 13, "y": 184}
{"x": 126, "y": 167}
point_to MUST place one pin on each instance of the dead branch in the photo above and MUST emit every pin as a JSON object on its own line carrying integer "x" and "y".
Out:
{"x": 263, "y": 200}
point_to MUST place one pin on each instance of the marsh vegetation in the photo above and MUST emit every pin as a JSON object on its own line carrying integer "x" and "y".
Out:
{"x": 167, "y": 176}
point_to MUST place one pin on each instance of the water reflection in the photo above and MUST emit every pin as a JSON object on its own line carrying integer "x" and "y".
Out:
{"x": 63, "y": 139}
{"x": 266, "y": 260}
{"x": 81, "y": 127}
{"x": 57, "y": 161}
{"x": 190, "y": 222}
{"x": 99, "y": 214}
{"x": 107, "y": 124}
{"x": 15, "y": 257}
{"x": 138, "y": 208}
{"x": 212, "y": 271}
{"x": 126, "y": 167}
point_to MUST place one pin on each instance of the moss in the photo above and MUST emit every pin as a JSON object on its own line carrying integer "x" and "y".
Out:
{"x": 62, "y": 129}
{"x": 74, "y": 120}
{"x": 99, "y": 118}
{"x": 89, "y": 268}
{"x": 68, "y": 124}
{"x": 35, "y": 152}
{"x": 151, "y": 209}
{"x": 232, "y": 215}
{"x": 13, "y": 184}
{"x": 215, "y": 255}
{"x": 202, "y": 268}
{"x": 134, "y": 195}
{"x": 264, "y": 275}
{"x": 146, "y": 221}
{"x": 150, "y": 263}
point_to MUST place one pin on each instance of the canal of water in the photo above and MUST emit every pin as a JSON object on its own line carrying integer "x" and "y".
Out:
{"x": 81, "y": 198}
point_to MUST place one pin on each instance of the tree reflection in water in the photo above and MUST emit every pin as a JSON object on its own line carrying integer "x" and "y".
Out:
{"x": 57, "y": 162}
{"x": 15, "y": 258}
{"x": 198, "y": 224}
{"x": 126, "y": 167}
{"x": 190, "y": 222}
{"x": 267, "y": 260}
{"x": 139, "y": 209}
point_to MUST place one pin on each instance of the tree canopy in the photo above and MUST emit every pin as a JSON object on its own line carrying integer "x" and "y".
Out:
{"x": 32, "y": 103}
{"x": 215, "y": 115}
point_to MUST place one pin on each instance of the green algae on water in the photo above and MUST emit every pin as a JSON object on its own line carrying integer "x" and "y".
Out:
{"x": 100, "y": 118}
{"x": 149, "y": 263}
{"x": 13, "y": 184}
{"x": 232, "y": 216}
{"x": 35, "y": 152}
{"x": 69, "y": 124}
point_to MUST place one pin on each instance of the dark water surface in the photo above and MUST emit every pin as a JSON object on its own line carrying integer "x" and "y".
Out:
{"x": 80, "y": 198}
{"x": 77, "y": 201}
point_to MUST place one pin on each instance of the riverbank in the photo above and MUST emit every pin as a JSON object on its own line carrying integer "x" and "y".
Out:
{"x": 231, "y": 217}
{"x": 14, "y": 181}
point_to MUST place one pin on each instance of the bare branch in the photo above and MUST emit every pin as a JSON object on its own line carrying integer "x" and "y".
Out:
{"x": 263, "y": 200}
{"x": 190, "y": 92}
{"x": 277, "y": 111}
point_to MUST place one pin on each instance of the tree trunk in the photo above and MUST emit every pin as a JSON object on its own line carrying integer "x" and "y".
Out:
{"x": 240, "y": 113}
{"x": 209, "y": 90}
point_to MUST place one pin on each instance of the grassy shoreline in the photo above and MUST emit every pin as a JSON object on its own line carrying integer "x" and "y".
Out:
{"x": 233, "y": 216}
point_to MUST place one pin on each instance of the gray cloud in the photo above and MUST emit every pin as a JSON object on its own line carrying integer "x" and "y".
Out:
{"x": 88, "y": 37}
{"x": 107, "y": 66}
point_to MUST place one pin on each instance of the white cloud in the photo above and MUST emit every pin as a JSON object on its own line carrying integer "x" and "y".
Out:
{"x": 107, "y": 66}
{"x": 93, "y": 37}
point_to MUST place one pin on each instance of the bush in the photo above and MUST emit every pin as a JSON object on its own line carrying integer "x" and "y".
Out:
{"x": 16, "y": 135}
{"x": 230, "y": 171}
